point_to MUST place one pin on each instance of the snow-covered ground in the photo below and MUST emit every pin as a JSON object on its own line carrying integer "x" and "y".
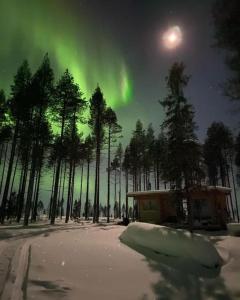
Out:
{"x": 86, "y": 261}
{"x": 174, "y": 243}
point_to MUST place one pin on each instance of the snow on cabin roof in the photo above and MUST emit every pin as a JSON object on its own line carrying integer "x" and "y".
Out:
{"x": 223, "y": 189}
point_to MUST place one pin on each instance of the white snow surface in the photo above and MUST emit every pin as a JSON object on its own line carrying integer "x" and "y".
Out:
{"x": 172, "y": 242}
{"x": 86, "y": 261}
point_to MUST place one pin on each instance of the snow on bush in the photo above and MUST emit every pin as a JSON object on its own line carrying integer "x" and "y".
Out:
{"x": 172, "y": 242}
{"x": 234, "y": 228}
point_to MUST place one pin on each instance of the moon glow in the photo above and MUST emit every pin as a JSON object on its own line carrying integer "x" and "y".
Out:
{"x": 172, "y": 38}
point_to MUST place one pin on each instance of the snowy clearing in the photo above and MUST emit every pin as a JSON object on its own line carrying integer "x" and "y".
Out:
{"x": 87, "y": 261}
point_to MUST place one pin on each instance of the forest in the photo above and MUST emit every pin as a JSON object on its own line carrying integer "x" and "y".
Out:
{"x": 40, "y": 131}
{"x": 41, "y": 134}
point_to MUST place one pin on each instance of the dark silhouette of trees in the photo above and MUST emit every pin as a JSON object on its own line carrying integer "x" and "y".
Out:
{"x": 20, "y": 109}
{"x": 67, "y": 104}
{"x": 172, "y": 157}
{"x": 126, "y": 165}
{"x": 89, "y": 146}
{"x": 217, "y": 148}
{"x": 136, "y": 150}
{"x": 184, "y": 153}
{"x": 218, "y": 156}
{"x": 112, "y": 129}
{"x": 96, "y": 123}
{"x": 119, "y": 157}
{"x": 227, "y": 23}
{"x": 41, "y": 91}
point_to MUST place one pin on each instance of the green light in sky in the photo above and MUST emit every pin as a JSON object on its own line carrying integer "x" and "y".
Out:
{"x": 126, "y": 86}
{"x": 29, "y": 29}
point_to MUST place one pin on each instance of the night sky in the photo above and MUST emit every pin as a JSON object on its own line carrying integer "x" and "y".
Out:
{"x": 118, "y": 45}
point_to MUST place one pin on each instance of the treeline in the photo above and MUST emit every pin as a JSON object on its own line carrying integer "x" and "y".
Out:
{"x": 39, "y": 129}
{"x": 175, "y": 159}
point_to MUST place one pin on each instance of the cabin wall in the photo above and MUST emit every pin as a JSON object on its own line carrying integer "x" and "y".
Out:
{"x": 155, "y": 209}
{"x": 209, "y": 207}
{"x": 216, "y": 206}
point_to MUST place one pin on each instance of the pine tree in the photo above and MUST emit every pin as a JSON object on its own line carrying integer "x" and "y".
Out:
{"x": 68, "y": 103}
{"x": 113, "y": 129}
{"x": 136, "y": 151}
{"x": 20, "y": 108}
{"x": 96, "y": 123}
{"x": 41, "y": 96}
{"x": 148, "y": 157}
{"x": 119, "y": 157}
{"x": 89, "y": 145}
{"x": 127, "y": 170}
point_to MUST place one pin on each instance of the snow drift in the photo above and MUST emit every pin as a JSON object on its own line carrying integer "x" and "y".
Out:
{"x": 172, "y": 242}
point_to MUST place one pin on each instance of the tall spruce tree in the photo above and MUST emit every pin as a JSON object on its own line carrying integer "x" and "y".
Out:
{"x": 183, "y": 148}
{"x": 112, "y": 129}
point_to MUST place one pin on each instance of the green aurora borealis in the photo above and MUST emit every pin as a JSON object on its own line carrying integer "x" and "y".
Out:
{"x": 29, "y": 29}
{"x": 116, "y": 44}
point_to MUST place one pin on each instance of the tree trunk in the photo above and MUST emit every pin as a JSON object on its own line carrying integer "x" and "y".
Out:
{"x": 190, "y": 210}
{"x": 120, "y": 190}
{"x": 230, "y": 195}
{"x": 81, "y": 183}
{"x": 126, "y": 194}
{"x": 72, "y": 189}
{"x": 1, "y": 153}
{"x": 55, "y": 193}
{"x": 109, "y": 172}
{"x": 52, "y": 190}
{"x": 36, "y": 196}
{"x": 69, "y": 192}
{"x": 115, "y": 186}
{"x": 234, "y": 188}
{"x": 98, "y": 186}
{"x": 14, "y": 174}
{"x": 63, "y": 188}
{"x": 4, "y": 165}
{"x": 22, "y": 189}
{"x": 58, "y": 167}
{"x": 87, "y": 191}
{"x": 59, "y": 191}
{"x": 30, "y": 186}
{"x": 9, "y": 172}
{"x": 95, "y": 191}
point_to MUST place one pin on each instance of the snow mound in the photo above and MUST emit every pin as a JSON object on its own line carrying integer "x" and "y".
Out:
{"x": 172, "y": 242}
{"x": 234, "y": 229}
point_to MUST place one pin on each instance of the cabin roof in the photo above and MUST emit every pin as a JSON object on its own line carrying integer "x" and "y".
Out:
{"x": 222, "y": 189}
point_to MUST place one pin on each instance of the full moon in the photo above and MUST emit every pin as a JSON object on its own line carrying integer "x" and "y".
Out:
{"x": 172, "y": 38}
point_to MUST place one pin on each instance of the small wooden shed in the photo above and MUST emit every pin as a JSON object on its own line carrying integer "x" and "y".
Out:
{"x": 209, "y": 204}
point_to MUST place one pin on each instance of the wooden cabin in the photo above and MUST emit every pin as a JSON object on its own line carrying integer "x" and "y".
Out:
{"x": 209, "y": 205}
